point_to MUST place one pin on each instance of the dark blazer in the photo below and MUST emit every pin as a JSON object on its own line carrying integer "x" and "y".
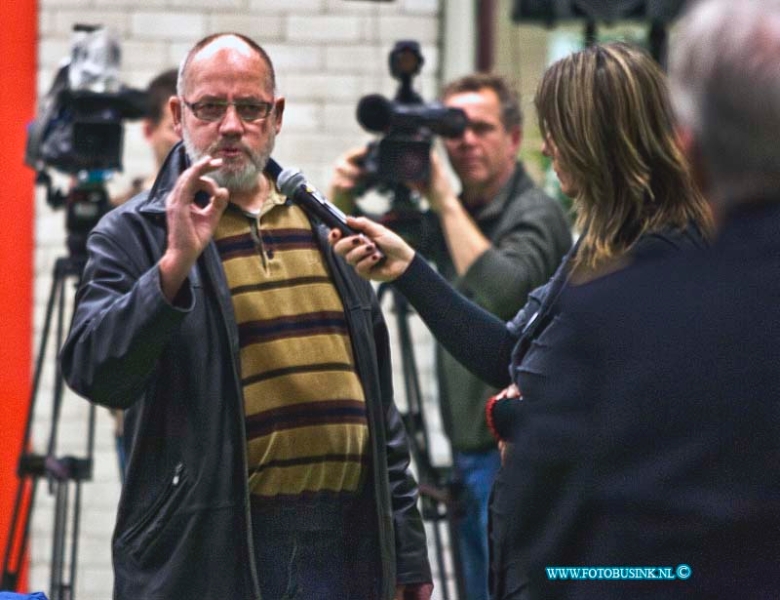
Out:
{"x": 668, "y": 453}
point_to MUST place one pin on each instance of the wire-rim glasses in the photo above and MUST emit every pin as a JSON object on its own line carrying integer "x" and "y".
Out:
{"x": 215, "y": 110}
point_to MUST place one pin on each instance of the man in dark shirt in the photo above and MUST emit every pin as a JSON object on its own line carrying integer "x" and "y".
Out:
{"x": 670, "y": 449}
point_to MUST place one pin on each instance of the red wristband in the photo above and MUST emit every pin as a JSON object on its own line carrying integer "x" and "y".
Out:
{"x": 489, "y": 405}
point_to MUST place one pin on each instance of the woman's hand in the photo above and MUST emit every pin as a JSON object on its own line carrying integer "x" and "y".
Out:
{"x": 509, "y": 393}
{"x": 377, "y": 253}
{"x": 415, "y": 591}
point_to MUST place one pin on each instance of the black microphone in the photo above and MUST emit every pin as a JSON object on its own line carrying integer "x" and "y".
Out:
{"x": 378, "y": 114}
{"x": 293, "y": 184}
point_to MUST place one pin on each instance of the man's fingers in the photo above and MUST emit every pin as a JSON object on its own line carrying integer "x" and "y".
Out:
{"x": 348, "y": 169}
{"x": 350, "y": 172}
{"x": 193, "y": 177}
{"x": 205, "y": 164}
{"x": 208, "y": 185}
{"x": 193, "y": 180}
{"x": 210, "y": 195}
{"x": 356, "y": 154}
{"x": 220, "y": 199}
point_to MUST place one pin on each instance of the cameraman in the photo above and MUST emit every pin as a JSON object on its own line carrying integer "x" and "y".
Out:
{"x": 496, "y": 241}
{"x": 161, "y": 136}
{"x": 158, "y": 130}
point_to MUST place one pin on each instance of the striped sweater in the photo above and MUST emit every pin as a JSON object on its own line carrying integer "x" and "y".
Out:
{"x": 307, "y": 431}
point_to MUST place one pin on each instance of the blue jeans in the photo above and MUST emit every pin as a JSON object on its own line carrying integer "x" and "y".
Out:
{"x": 476, "y": 472}
{"x": 121, "y": 456}
{"x": 304, "y": 552}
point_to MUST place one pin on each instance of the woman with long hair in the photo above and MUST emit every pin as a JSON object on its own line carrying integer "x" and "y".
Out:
{"x": 608, "y": 127}
{"x": 605, "y": 116}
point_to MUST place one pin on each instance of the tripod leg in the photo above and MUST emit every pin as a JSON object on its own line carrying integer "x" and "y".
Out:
{"x": 452, "y": 529}
{"x": 439, "y": 544}
{"x": 435, "y": 504}
{"x": 74, "y": 547}
{"x": 18, "y": 533}
{"x": 58, "y": 381}
{"x": 29, "y": 468}
{"x": 58, "y": 540}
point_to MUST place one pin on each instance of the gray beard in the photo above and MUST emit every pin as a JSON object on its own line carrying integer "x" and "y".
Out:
{"x": 234, "y": 181}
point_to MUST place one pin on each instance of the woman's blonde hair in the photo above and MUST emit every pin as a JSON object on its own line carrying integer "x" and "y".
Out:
{"x": 607, "y": 111}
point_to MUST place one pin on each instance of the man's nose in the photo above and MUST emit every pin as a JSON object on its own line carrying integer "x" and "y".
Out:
{"x": 231, "y": 122}
{"x": 467, "y": 137}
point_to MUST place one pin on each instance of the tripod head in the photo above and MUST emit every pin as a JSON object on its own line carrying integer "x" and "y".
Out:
{"x": 85, "y": 202}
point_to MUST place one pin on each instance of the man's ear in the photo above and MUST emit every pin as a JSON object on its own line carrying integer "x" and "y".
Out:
{"x": 692, "y": 151}
{"x": 516, "y": 135}
{"x": 148, "y": 129}
{"x": 690, "y": 148}
{"x": 279, "y": 112}
{"x": 175, "y": 105}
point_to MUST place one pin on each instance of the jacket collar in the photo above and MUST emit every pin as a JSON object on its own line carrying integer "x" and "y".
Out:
{"x": 518, "y": 183}
{"x": 175, "y": 164}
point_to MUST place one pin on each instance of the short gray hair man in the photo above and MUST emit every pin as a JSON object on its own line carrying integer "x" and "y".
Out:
{"x": 724, "y": 69}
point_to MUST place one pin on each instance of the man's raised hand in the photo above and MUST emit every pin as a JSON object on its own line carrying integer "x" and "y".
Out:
{"x": 191, "y": 225}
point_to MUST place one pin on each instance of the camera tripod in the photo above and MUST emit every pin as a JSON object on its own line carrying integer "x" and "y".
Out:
{"x": 64, "y": 474}
{"x": 439, "y": 495}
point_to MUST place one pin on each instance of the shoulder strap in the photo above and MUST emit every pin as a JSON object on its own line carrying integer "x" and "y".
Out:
{"x": 542, "y": 317}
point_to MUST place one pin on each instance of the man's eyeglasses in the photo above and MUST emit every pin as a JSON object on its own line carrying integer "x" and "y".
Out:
{"x": 214, "y": 110}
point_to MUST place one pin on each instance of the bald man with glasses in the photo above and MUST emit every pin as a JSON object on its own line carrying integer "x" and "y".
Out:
{"x": 268, "y": 459}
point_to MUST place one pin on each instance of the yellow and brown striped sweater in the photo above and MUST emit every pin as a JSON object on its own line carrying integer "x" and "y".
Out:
{"x": 307, "y": 431}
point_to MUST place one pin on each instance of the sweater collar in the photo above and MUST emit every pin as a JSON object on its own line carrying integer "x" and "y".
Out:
{"x": 518, "y": 183}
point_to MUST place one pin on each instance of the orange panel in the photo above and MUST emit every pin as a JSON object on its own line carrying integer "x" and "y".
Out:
{"x": 18, "y": 44}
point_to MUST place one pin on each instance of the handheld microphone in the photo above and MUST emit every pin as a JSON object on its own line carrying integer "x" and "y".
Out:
{"x": 293, "y": 184}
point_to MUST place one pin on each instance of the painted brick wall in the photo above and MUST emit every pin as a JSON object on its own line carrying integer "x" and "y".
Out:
{"x": 328, "y": 54}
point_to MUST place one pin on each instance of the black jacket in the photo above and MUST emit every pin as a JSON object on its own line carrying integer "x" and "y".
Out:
{"x": 484, "y": 343}
{"x": 182, "y": 528}
{"x": 665, "y": 453}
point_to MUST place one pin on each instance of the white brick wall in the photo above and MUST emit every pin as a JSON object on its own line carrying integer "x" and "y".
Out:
{"x": 328, "y": 54}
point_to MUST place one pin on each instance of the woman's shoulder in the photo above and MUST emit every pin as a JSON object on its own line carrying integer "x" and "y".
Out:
{"x": 669, "y": 240}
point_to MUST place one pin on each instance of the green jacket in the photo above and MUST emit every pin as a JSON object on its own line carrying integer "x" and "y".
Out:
{"x": 530, "y": 234}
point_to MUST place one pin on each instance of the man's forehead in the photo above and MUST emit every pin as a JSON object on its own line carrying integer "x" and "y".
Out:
{"x": 227, "y": 42}
{"x": 484, "y": 102}
{"x": 224, "y": 61}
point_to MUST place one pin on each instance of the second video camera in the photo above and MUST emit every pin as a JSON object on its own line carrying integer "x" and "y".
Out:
{"x": 408, "y": 124}
{"x": 79, "y": 130}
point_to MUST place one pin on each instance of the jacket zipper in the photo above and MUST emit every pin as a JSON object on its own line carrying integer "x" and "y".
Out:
{"x": 374, "y": 421}
{"x": 211, "y": 259}
{"x": 159, "y": 503}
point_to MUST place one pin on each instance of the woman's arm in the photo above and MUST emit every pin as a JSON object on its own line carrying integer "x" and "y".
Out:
{"x": 476, "y": 338}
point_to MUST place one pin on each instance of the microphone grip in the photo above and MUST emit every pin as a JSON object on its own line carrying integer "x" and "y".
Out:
{"x": 327, "y": 213}
{"x": 293, "y": 184}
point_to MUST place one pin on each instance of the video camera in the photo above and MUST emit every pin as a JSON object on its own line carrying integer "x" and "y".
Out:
{"x": 79, "y": 130}
{"x": 408, "y": 124}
